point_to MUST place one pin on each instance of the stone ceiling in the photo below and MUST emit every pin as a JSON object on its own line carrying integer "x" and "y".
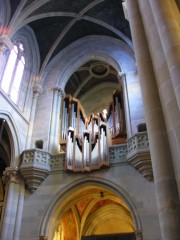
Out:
{"x": 58, "y": 23}
{"x": 95, "y": 211}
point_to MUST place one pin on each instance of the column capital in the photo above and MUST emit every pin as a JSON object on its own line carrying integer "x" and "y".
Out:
{"x": 5, "y": 43}
{"x": 59, "y": 91}
{"x": 121, "y": 76}
{"x": 11, "y": 174}
{"x": 37, "y": 90}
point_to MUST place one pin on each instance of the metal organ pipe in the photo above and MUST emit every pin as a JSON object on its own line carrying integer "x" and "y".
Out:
{"x": 87, "y": 141}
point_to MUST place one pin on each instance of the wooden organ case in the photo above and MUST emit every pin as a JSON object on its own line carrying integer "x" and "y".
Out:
{"x": 85, "y": 140}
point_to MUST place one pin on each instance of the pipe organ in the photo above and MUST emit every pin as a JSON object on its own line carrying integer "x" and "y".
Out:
{"x": 116, "y": 116}
{"x": 85, "y": 139}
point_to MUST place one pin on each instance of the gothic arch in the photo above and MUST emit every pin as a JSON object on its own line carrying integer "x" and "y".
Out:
{"x": 12, "y": 132}
{"x": 112, "y": 51}
{"x": 54, "y": 209}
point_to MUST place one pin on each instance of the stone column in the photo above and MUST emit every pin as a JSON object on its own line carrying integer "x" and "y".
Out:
{"x": 169, "y": 32}
{"x": 165, "y": 87}
{"x": 37, "y": 90}
{"x": 55, "y": 121}
{"x": 165, "y": 184}
{"x": 13, "y": 204}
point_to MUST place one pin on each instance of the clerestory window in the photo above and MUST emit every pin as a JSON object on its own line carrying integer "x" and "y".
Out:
{"x": 13, "y": 72}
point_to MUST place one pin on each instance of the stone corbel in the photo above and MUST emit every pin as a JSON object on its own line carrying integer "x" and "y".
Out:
{"x": 36, "y": 166}
{"x": 139, "y": 154}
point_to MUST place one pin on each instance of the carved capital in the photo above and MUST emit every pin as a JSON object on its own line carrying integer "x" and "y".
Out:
{"x": 59, "y": 91}
{"x": 121, "y": 76}
{"x": 5, "y": 43}
{"x": 11, "y": 174}
{"x": 3, "y": 47}
{"x": 37, "y": 90}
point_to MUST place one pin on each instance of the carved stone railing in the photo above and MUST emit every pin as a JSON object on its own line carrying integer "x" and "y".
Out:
{"x": 118, "y": 154}
{"x": 36, "y": 166}
{"x": 135, "y": 152}
{"x": 139, "y": 154}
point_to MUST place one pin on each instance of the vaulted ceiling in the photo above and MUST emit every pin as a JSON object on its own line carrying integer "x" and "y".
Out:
{"x": 95, "y": 211}
{"x": 58, "y": 23}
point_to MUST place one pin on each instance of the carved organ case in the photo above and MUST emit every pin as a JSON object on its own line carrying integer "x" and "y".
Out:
{"x": 83, "y": 138}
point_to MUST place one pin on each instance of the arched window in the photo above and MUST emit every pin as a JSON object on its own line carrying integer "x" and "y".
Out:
{"x": 13, "y": 72}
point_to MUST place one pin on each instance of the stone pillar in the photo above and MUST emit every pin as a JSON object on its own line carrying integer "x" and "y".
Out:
{"x": 122, "y": 80}
{"x": 55, "y": 121}
{"x": 169, "y": 33}
{"x": 165, "y": 184}
{"x": 13, "y": 204}
{"x": 37, "y": 90}
{"x": 165, "y": 87}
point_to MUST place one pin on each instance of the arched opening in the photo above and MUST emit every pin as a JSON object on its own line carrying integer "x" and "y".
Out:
{"x": 5, "y": 157}
{"x": 90, "y": 208}
{"x": 91, "y": 90}
{"x": 94, "y": 212}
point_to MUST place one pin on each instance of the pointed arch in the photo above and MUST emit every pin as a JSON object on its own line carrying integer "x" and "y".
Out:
{"x": 54, "y": 209}
{"x": 14, "y": 141}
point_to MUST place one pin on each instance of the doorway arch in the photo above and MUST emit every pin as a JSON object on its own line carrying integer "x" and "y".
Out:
{"x": 58, "y": 206}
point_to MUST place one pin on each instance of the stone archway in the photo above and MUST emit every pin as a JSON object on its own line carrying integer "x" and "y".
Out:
{"x": 87, "y": 205}
{"x": 11, "y": 143}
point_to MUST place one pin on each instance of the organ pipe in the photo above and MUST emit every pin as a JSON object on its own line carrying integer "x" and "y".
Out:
{"x": 86, "y": 137}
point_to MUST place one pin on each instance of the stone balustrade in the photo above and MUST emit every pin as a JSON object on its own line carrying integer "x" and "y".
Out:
{"x": 118, "y": 154}
{"x": 36, "y": 166}
{"x": 135, "y": 152}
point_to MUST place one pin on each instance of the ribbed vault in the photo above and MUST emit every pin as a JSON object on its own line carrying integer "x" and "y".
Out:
{"x": 93, "y": 211}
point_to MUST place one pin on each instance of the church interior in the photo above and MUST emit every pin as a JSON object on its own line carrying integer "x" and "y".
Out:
{"x": 90, "y": 119}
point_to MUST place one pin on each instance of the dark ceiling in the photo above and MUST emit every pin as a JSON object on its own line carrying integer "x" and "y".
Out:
{"x": 85, "y": 17}
{"x": 58, "y": 23}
